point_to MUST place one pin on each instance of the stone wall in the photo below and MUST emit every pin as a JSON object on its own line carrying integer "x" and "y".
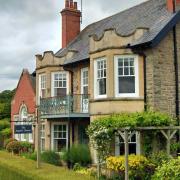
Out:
{"x": 161, "y": 76}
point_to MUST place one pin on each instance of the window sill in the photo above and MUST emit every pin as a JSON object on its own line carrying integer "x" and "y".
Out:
{"x": 117, "y": 99}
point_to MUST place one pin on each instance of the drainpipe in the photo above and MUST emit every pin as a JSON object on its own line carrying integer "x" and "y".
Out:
{"x": 145, "y": 83}
{"x": 140, "y": 52}
{"x": 176, "y": 68}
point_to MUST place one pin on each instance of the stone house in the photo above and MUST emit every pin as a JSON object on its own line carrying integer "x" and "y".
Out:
{"x": 127, "y": 62}
{"x": 23, "y": 105}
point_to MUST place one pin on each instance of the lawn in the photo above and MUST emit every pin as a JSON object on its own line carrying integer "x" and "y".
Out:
{"x": 17, "y": 168}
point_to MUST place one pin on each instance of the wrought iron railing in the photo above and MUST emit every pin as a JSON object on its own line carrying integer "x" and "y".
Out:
{"x": 64, "y": 105}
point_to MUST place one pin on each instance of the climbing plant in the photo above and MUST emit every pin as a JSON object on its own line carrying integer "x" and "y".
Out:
{"x": 103, "y": 129}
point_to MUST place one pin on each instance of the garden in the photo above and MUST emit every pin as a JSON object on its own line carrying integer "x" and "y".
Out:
{"x": 159, "y": 146}
{"x": 156, "y": 159}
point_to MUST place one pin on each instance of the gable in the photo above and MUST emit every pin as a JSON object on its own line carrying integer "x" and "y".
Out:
{"x": 24, "y": 94}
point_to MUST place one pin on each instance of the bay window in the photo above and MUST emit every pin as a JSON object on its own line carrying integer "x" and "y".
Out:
{"x": 126, "y": 76}
{"x": 100, "y": 78}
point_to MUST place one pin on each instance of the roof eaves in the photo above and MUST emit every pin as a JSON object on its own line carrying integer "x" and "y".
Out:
{"x": 156, "y": 40}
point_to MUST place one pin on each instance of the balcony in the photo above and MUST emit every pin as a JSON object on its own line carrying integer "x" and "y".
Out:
{"x": 65, "y": 106}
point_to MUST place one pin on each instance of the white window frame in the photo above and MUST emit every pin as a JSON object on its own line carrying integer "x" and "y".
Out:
{"x": 96, "y": 95}
{"x": 117, "y": 143}
{"x": 84, "y": 101}
{"x": 44, "y": 83}
{"x": 52, "y": 133}
{"x": 117, "y": 94}
{"x": 52, "y": 81}
{"x": 43, "y": 137}
{"x": 82, "y": 78}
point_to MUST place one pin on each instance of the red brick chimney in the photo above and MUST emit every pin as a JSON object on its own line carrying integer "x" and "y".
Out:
{"x": 170, "y": 5}
{"x": 70, "y": 22}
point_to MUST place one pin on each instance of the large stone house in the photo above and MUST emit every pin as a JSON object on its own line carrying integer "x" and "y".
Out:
{"x": 127, "y": 62}
{"x": 23, "y": 106}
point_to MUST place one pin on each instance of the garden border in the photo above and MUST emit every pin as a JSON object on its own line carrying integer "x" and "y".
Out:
{"x": 168, "y": 135}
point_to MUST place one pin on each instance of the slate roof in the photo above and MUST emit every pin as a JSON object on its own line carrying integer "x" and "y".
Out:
{"x": 151, "y": 14}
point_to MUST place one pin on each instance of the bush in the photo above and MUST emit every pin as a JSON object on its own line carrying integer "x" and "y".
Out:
{"x": 158, "y": 158}
{"x": 168, "y": 171}
{"x": 51, "y": 157}
{"x": 4, "y": 124}
{"x": 14, "y": 146}
{"x": 175, "y": 147}
{"x": 7, "y": 141}
{"x": 32, "y": 156}
{"x": 78, "y": 154}
{"x": 26, "y": 147}
{"x": 139, "y": 166}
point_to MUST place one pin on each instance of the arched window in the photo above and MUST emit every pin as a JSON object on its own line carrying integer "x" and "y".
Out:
{"x": 23, "y": 114}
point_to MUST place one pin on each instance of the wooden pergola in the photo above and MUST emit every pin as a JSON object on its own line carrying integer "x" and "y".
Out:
{"x": 168, "y": 132}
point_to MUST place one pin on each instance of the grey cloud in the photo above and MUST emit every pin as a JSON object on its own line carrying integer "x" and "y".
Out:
{"x": 29, "y": 27}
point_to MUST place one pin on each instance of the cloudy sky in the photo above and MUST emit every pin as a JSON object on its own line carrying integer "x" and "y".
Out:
{"x": 29, "y": 27}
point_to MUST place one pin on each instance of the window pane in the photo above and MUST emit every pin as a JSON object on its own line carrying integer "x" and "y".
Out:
{"x": 126, "y": 84}
{"x": 85, "y": 90}
{"x": 126, "y": 71}
{"x": 59, "y": 91}
{"x": 132, "y": 71}
{"x": 126, "y": 62}
{"x": 102, "y": 86}
{"x": 59, "y": 144}
{"x": 120, "y": 71}
{"x": 120, "y": 62}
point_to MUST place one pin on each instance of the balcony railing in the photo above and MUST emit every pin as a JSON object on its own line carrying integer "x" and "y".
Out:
{"x": 69, "y": 105}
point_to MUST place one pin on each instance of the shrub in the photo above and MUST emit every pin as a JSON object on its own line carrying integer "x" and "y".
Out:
{"x": 51, "y": 157}
{"x": 7, "y": 141}
{"x": 26, "y": 147}
{"x": 6, "y": 132}
{"x": 158, "y": 158}
{"x": 4, "y": 124}
{"x": 14, "y": 146}
{"x": 78, "y": 154}
{"x": 168, "y": 171}
{"x": 32, "y": 156}
{"x": 139, "y": 166}
{"x": 175, "y": 147}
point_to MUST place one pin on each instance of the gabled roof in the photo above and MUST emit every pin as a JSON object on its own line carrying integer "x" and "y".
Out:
{"x": 151, "y": 15}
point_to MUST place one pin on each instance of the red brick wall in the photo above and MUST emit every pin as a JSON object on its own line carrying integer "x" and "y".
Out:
{"x": 24, "y": 95}
{"x": 70, "y": 25}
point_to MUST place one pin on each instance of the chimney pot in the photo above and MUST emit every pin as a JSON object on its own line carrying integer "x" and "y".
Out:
{"x": 67, "y": 4}
{"x": 75, "y": 5}
{"x": 71, "y": 4}
{"x": 70, "y": 22}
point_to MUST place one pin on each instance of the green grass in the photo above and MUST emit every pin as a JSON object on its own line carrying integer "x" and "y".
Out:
{"x": 17, "y": 168}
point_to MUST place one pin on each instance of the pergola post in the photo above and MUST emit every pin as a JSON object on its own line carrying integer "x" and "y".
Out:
{"x": 168, "y": 142}
{"x": 126, "y": 154}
